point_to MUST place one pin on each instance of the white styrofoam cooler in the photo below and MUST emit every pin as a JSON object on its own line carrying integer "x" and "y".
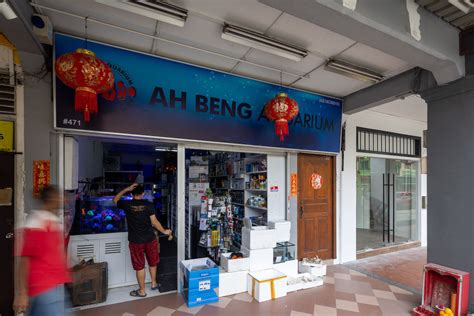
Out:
{"x": 258, "y": 238}
{"x": 233, "y": 265}
{"x": 290, "y": 268}
{"x": 283, "y": 230}
{"x": 260, "y": 284}
{"x": 232, "y": 282}
{"x": 303, "y": 281}
{"x": 318, "y": 270}
{"x": 260, "y": 259}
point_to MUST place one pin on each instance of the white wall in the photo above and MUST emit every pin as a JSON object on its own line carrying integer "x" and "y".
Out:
{"x": 91, "y": 154}
{"x": 40, "y": 141}
{"x": 348, "y": 215}
{"x": 276, "y": 176}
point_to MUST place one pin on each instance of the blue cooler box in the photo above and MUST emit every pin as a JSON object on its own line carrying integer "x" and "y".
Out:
{"x": 200, "y": 281}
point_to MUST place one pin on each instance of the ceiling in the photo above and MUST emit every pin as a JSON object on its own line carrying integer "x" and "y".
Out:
{"x": 203, "y": 30}
{"x": 412, "y": 107}
{"x": 449, "y": 12}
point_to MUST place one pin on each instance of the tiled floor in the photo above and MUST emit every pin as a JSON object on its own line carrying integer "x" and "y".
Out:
{"x": 345, "y": 292}
{"x": 403, "y": 268}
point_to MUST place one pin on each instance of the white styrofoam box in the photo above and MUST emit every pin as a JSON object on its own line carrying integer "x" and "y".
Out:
{"x": 283, "y": 230}
{"x": 71, "y": 163}
{"x": 258, "y": 238}
{"x": 313, "y": 269}
{"x": 233, "y": 265}
{"x": 293, "y": 285}
{"x": 289, "y": 268}
{"x": 317, "y": 281}
{"x": 279, "y": 225}
{"x": 260, "y": 259}
{"x": 232, "y": 282}
{"x": 260, "y": 284}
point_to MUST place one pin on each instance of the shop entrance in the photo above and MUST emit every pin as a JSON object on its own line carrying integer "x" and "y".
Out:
{"x": 315, "y": 206}
{"x": 7, "y": 172}
{"x": 387, "y": 202}
{"x": 242, "y": 187}
{"x": 104, "y": 167}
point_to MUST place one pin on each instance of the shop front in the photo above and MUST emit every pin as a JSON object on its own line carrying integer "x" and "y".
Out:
{"x": 210, "y": 162}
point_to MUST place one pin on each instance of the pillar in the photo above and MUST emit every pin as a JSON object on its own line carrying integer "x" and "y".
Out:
{"x": 451, "y": 176}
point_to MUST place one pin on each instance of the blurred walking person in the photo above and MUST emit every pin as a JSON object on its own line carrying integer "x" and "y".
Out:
{"x": 42, "y": 269}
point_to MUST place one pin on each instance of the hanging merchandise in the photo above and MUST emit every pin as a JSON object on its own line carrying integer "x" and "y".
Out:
{"x": 88, "y": 75}
{"x": 281, "y": 109}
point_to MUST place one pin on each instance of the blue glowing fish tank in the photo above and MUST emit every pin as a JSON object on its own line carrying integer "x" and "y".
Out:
{"x": 99, "y": 215}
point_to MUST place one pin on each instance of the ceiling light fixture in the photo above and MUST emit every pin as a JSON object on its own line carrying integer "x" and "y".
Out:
{"x": 259, "y": 41}
{"x": 168, "y": 149}
{"x": 353, "y": 71}
{"x": 7, "y": 11}
{"x": 153, "y": 9}
{"x": 465, "y": 6}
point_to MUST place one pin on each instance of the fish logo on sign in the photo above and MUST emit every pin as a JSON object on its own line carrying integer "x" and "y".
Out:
{"x": 316, "y": 181}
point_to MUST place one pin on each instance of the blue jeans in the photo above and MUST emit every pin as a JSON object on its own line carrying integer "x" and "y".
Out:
{"x": 49, "y": 303}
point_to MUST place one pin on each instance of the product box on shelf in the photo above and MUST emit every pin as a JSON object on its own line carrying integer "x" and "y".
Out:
{"x": 313, "y": 268}
{"x": 260, "y": 259}
{"x": 233, "y": 265}
{"x": 258, "y": 238}
{"x": 267, "y": 285}
{"x": 444, "y": 286}
{"x": 283, "y": 230}
{"x": 200, "y": 281}
{"x": 231, "y": 283}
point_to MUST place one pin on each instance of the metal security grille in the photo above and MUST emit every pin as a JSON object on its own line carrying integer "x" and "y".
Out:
{"x": 7, "y": 98}
{"x": 386, "y": 143}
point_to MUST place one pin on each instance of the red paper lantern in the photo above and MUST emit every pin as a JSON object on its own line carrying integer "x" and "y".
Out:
{"x": 281, "y": 109}
{"x": 88, "y": 75}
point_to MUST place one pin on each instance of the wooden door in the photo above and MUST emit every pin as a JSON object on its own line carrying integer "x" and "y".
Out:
{"x": 7, "y": 179}
{"x": 315, "y": 206}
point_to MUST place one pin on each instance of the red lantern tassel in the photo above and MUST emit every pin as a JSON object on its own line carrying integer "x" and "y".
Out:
{"x": 86, "y": 101}
{"x": 281, "y": 128}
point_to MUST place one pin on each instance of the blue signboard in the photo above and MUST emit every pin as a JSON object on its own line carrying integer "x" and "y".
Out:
{"x": 159, "y": 97}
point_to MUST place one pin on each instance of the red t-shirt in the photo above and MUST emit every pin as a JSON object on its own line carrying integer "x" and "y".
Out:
{"x": 43, "y": 243}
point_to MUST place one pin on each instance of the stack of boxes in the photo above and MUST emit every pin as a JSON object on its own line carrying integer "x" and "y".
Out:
{"x": 257, "y": 273}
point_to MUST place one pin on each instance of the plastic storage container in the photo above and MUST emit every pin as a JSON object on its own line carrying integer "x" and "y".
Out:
{"x": 284, "y": 251}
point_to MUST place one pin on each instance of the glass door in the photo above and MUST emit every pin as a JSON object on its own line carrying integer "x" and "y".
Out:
{"x": 386, "y": 202}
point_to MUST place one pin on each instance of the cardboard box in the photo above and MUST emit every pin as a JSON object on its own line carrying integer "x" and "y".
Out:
{"x": 318, "y": 270}
{"x": 233, "y": 265}
{"x": 260, "y": 259}
{"x": 200, "y": 281}
{"x": 267, "y": 285}
{"x": 258, "y": 238}
{"x": 289, "y": 268}
{"x": 232, "y": 282}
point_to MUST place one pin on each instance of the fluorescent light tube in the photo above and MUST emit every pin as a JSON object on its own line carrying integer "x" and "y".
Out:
{"x": 153, "y": 9}
{"x": 7, "y": 11}
{"x": 264, "y": 43}
{"x": 166, "y": 149}
{"x": 353, "y": 71}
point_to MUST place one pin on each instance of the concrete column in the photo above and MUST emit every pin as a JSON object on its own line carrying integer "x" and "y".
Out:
{"x": 451, "y": 176}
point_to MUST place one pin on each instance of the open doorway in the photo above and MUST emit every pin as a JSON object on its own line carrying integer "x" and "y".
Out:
{"x": 98, "y": 228}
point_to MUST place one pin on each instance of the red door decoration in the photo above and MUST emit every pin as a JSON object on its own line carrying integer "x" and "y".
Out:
{"x": 41, "y": 175}
{"x": 281, "y": 109}
{"x": 88, "y": 75}
{"x": 316, "y": 181}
